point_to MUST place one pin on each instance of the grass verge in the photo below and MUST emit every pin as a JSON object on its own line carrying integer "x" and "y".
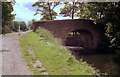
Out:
{"x": 54, "y": 57}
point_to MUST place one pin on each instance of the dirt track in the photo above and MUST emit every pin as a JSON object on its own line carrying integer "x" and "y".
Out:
{"x": 12, "y": 62}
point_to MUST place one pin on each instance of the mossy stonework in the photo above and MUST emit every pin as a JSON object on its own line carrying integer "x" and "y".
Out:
{"x": 90, "y": 33}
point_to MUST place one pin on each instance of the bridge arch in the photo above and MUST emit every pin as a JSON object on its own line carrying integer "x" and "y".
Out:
{"x": 80, "y": 38}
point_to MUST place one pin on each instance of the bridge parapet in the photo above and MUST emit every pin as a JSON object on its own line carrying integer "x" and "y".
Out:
{"x": 62, "y": 28}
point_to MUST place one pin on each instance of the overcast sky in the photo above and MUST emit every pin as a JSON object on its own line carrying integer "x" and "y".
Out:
{"x": 25, "y": 12}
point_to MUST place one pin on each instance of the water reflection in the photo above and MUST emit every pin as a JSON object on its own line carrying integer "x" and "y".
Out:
{"x": 103, "y": 62}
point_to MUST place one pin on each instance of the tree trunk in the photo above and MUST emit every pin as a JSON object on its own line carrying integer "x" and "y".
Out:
{"x": 73, "y": 10}
{"x": 50, "y": 11}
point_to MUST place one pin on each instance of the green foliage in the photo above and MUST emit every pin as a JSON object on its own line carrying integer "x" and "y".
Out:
{"x": 106, "y": 13}
{"x": 46, "y": 9}
{"x": 110, "y": 16}
{"x": 16, "y": 26}
{"x": 23, "y": 25}
{"x": 30, "y": 24}
{"x": 7, "y": 29}
{"x": 71, "y": 60}
{"x": 0, "y": 17}
{"x": 8, "y": 25}
{"x": 7, "y": 17}
{"x": 70, "y": 9}
{"x": 84, "y": 12}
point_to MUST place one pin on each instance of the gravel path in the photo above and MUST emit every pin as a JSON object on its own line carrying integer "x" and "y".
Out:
{"x": 12, "y": 62}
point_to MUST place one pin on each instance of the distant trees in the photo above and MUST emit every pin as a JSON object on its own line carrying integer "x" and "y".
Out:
{"x": 23, "y": 26}
{"x": 46, "y": 9}
{"x": 30, "y": 24}
{"x": 16, "y": 26}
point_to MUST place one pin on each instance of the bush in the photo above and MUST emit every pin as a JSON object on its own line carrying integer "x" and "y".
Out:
{"x": 7, "y": 29}
{"x": 71, "y": 60}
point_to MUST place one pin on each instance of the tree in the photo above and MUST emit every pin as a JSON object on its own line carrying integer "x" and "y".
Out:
{"x": 16, "y": 26}
{"x": 0, "y": 17}
{"x": 30, "y": 24}
{"x": 7, "y": 17}
{"x": 46, "y": 9}
{"x": 107, "y": 14}
{"x": 70, "y": 9}
{"x": 84, "y": 11}
{"x": 111, "y": 18}
{"x": 23, "y": 26}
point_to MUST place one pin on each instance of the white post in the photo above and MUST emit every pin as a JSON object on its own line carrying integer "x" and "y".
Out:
{"x": 19, "y": 30}
{"x": 29, "y": 28}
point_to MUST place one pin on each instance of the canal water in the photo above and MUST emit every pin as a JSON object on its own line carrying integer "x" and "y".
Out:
{"x": 106, "y": 63}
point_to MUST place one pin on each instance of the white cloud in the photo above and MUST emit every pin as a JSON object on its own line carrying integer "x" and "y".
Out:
{"x": 26, "y": 1}
{"x": 24, "y": 13}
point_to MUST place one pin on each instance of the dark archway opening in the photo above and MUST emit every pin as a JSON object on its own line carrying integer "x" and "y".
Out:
{"x": 80, "y": 38}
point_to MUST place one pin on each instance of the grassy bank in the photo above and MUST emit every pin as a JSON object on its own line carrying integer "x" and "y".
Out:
{"x": 54, "y": 57}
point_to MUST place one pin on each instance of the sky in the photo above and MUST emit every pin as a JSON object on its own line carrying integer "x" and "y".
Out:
{"x": 25, "y": 12}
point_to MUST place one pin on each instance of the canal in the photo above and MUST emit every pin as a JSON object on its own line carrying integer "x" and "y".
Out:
{"x": 105, "y": 62}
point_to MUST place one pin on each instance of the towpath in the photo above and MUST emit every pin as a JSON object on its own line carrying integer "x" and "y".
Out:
{"x": 12, "y": 61}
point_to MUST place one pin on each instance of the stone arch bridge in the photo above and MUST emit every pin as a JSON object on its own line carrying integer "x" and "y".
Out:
{"x": 74, "y": 32}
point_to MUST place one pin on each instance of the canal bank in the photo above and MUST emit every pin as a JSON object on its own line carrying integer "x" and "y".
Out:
{"x": 107, "y": 63}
